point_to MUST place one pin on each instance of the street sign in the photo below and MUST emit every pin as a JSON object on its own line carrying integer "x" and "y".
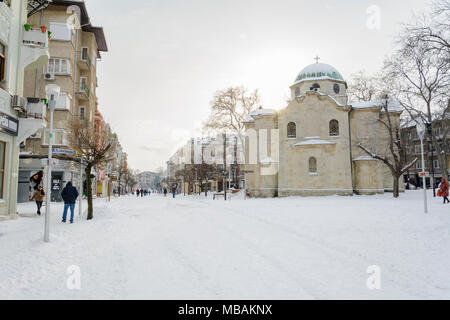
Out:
{"x": 247, "y": 171}
{"x": 424, "y": 174}
{"x": 64, "y": 151}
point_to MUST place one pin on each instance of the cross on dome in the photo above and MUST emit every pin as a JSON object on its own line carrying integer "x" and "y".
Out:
{"x": 317, "y": 58}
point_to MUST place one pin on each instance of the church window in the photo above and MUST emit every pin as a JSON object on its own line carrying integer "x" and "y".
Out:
{"x": 336, "y": 88}
{"x": 297, "y": 91}
{"x": 334, "y": 128}
{"x": 312, "y": 165}
{"x": 291, "y": 130}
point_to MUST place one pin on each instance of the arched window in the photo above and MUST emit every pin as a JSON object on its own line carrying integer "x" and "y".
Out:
{"x": 312, "y": 165}
{"x": 297, "y": 91}
{"x": 291, "y": 130}
{"x": 334, "y": 128}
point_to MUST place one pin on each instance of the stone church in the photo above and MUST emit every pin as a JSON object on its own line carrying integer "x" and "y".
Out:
{"x": 310, "y": 147}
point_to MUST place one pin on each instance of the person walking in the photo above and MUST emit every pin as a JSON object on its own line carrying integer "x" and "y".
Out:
{"x": 174, "y": 189}
{"x": 137, "y": 192}
{"x": 443, "y": 190}
{"x": 38, "y": 196}
{"x": 69, "y": 195}
{"x": 165, "y": 191}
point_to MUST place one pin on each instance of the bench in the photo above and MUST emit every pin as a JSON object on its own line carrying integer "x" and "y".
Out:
{"x": 218, "y": 194}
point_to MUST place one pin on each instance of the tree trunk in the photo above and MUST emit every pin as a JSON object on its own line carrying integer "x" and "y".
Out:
{"x": 90, "y": 214}
{"x": 443, "y": 164}
{"x": 395, "y": 188}
{"x": 120, "y": 176}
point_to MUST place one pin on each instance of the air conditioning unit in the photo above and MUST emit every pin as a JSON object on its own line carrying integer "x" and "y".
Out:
{"x": 18, "y": 103}
{"x": 49, "y": 76}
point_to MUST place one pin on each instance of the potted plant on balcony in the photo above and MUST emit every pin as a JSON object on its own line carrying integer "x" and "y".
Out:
{"x": 27, "y": 27}
{"x": 43, "y": 29}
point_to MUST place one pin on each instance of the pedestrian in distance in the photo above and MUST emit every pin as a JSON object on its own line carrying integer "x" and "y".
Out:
{"x": 137, "y": 192}
{"x": 165, "y": 191}
{"x": 443, "y": 190}
{"x": 38, "y": 196}
{"x": 174, "y": 189}
{"x": 69, "y": 195}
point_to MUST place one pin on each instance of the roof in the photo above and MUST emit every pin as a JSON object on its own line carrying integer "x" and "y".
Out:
{"x": 393, "y": 104}
{"x": 85, "y": 22}
{"x": 259, "y": 112}
{"x": 318, "y": 71}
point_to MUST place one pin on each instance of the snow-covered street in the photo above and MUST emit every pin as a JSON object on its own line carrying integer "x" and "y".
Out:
{"x": 195, "y": 248}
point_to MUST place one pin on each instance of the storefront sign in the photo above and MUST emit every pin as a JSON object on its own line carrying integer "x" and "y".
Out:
{"x": 64, "y": 151}
{"x": 8, "y": 124}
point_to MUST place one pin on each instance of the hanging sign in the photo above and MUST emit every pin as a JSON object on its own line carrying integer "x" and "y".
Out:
{"x": 8, "y": 124}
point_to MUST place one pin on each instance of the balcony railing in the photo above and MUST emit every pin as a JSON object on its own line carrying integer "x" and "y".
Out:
{"x": 83, "y": 90}
{"x": 35, "y": 108}
{"x": 84, "y": 62}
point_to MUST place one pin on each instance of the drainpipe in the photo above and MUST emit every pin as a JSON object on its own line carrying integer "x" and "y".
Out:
{"x": 19, "y": 48}
{"x": 36, "y": 82}
{"x": 350, "y": 148}
{"x": 75, "y": 75}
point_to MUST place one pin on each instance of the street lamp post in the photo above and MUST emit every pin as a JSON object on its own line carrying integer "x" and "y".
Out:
{"x": 52, "y": 92}
{"x": 421, "y": 133}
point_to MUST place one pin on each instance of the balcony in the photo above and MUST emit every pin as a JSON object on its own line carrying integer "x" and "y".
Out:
{"x": 35, "y": 52}
{"x": 32, "y": 119}
{"x": 81, "y": 120}
{"x": 83, "y": 91}
{"x": 84, "y": 62}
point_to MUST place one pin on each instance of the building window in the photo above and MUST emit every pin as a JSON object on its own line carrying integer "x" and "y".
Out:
{"x": 59, "y": 137}
{"x": 2, "y": 166}
{"x": 82, "y": 113}
{"x": 84, "y": 53}
{"x": 436, "y": 164}
{"x": 2, "y": 61}
{"x": 297, "y": 91}
{"x": 63, "y": 102}
{"x": 291, "y": 130}
{"x": 312, "y": 165}
{"x": 419, "y": 164}
{"x": 334, "y": 128}
{"x": 59, "y": 66}
{"x": 417, "y": 149}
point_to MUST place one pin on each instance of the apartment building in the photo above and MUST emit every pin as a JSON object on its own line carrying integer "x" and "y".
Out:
{"x": 75, "y": 49}
{"x": 199, "y": 164}
{"x": 21, "y": 48}
{"x": 411, "y": 141}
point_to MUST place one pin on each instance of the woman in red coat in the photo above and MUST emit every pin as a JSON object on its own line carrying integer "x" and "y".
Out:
{"x": 444, "y": 189}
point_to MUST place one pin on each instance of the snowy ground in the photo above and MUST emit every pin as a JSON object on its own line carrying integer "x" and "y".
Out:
{"x": 196, "y": 248}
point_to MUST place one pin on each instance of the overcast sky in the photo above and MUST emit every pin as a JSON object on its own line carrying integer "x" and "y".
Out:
{"x": 167, "y": 58}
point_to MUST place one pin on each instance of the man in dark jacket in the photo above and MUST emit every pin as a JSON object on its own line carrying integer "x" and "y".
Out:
{"x": 69, "y": 195}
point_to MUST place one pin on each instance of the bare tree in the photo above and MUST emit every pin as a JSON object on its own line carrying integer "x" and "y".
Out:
{"x": 230, "y": 108}
{"x": 433, "y": 30}
{"x": 129, "y": 177}
{"x": 421, "y": 67}
{"x": 96, "y": 150}
{"x": 395, "y": 157}
{"x": 120, "y": 173}
{"x": 362, "y": 87}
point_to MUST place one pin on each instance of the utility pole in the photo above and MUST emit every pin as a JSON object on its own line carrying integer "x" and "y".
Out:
{"x": 52, "y": 93}
{"x": 421, "y": 133}
{"x": 224, "y": 136}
